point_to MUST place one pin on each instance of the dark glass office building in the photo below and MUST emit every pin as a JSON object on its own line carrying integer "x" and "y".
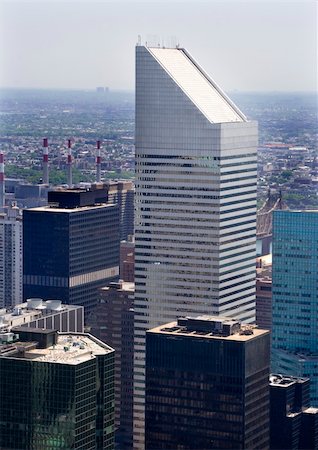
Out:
{"x": 207, "y": 385}
{"x": 71, "y": 247}
{"x": 57, "y": 392}
{"x": 293, "y": 423}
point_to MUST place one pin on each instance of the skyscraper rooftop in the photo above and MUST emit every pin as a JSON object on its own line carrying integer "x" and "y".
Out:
{"x": 210, "y": 327}
{"x": 197, "y": 85}
{"x": 67, "y": 349}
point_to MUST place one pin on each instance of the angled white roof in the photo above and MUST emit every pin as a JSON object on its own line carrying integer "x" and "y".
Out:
{"x": 196, "y": 84}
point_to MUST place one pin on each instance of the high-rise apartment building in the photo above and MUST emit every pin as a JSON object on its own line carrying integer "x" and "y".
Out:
{"x": 112, "y": 321}
{"x": 207, "y": 385}
{"x": 195, "y": 217}
{"x": 71, "y": 247}
{"x": 294, "y": 296}
{"x": 57, "y": 392}
{"x": 10, "y": 257}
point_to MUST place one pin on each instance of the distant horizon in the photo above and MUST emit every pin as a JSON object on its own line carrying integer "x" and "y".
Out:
{"x": 244, "y": 45}
{"x": 132, "y": 91}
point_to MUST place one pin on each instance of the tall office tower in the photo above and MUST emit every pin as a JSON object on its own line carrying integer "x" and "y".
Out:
{"x": 195, "y": 225}
{"x": 293, "y": 423}
{"x": 71, "y": 247}
{"x": 294, "y": 296}
{"x": 122, "y": 193}
{"x": 112, "y": 321}
{"x": 57, "y": 392}
{"x": 207, "y": 385}
{"x": 10, "y": 257}
{"x": 127, "y": 259}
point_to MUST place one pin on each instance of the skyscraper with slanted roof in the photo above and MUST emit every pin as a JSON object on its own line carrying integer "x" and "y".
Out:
{"x": 195, "y": 221}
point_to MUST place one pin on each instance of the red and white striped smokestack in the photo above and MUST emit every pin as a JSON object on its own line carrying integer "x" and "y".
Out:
{"x": 69, "y": 162}
{"x": 98, "y": 163}
{"x": 2, "y": 182}
{"x": 45, "y": 161}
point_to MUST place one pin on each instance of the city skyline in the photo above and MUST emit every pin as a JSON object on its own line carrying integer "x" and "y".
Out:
{"x": 247, "y": 45}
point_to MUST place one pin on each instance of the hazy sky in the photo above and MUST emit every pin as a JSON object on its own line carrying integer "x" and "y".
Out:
{"x": 253, "y": 45}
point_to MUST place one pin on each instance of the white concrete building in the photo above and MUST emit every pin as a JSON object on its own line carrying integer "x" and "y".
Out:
{"x": 37, "y": 313}
{"x": 10, "y": 257}
{"x": 195, "y": 225}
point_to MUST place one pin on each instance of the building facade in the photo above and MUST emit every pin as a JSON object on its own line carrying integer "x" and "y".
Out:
{"x": 127, "y": 260}
{"x": 295, "y": 293}
{"x": 264, "y": 291}
{"x": 195, "y": 217}
{"x": 112, "y": 321}
{"x": 71, "y": 247}
{"x": 35, "y": 313}
{"x": 10, "y": 257}
{"x": 122, "y": 193}
{"x": 293, "y": 423}
{"x": 57, "y": 392}
{"x": 207, "y": 385}
{"x": 264, "y": 302}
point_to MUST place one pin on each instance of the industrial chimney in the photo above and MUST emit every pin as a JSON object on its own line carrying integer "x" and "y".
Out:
{"x": 69, "y": 163}
{"x": 2, "y": 182}
{"x": 45, "y": 161}
{"x": 98, "y": 163}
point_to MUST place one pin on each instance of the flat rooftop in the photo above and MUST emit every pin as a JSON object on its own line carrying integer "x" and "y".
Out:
{"x": 121, "y": 286}
{"x": 242, "y": 334}
{"x": 53, "y": 209}
{"x": 285, "y": 380}
{"x": 27, "y": 312}
{"x": 70, "y": 349}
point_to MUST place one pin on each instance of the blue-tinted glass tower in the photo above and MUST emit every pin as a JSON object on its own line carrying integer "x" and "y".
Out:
{"x": 70, "y": 247}
{"x": 295, "y": 289}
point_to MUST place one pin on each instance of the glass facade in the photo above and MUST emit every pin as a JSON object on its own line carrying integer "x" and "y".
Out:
{"x": 46, "y": 405}
{"x": 69, "y": 254}
{"x": 289, "y": 398}
{"x": 204, "y": 393}
{"x": 295, "y": 293}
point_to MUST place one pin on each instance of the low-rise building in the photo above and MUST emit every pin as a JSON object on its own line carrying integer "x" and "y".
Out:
{"x": 57, "y": 392}
{"x": 36, "y": 313}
